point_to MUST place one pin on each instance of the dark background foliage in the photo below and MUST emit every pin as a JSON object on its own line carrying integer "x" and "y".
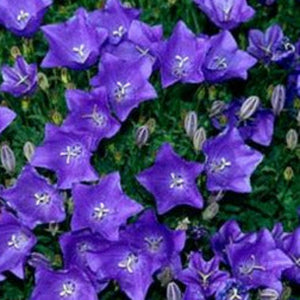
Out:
{"x": 274, "y": 197}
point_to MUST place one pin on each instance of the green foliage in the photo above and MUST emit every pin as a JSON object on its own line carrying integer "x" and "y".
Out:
{"x": 273, "y": 199}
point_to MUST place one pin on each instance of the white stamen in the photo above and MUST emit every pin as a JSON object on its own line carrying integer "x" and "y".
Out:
{"x": 14, "y": 242}
{"x": 177, "y": 181}
{"x": 22, "y": 16}
{"x": 100, "y": 212}
{"x": 79, "y": 50}
{"x": 296, "y": 260}
{"x": 119, "y": 32}
{"x": 96, "y": 117}
{"x": 220, "y": 62}
{"x": 235, "y": 295}
{"x": 227, "y": 8}
{"x": 144, "y": 52}
{"x": 72, "y": 152}
{"x": 205, "y": 277}
{"x": 249, "y": 267}
{"x": 181, "y": 60}
{"x": 128, "y": 263}
{"x": 68, "y": 289}
{"x": 217, "y": 167}
{"x": 154, "y": 243}
{"x": 120, "y": 91}
{"x": 41, "y": 198}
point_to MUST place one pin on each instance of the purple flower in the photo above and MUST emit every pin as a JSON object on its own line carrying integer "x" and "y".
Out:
{"x": 115, "y": 18}
{"x": 226, "y": 14}
{"x": 193, "y": 292}
{"x": 75, "y": 246}
{"x": 126, "y": 83}
{"x": 258, "y": 128}
{"x": 6, "y": 117}
{"x": 181, "y": 57}
{"x": 232, "y": 289}
{"x": 291, "y": 246}
{"x": 66, "y": 153}
{"x": 90, "y": 114}
{"x": 16, "y": 242}
{"x": 270, "y": 46}
{"x": 258, "y": 262}
{"x": 63, "y": 284}
{"x": 230, "y": 162}
{"x": 103, "y": 207}
{"x": 172, "y": 180}
{"x": 74, "y": 44}
{"x": 206, "y": 275}
{"x": 159, "y": 243}
{"x": 129, "y": 266}
{"x": 34, "y": 199}
{"x": 19, "y": 80}
{"x": 224, "y": 60}
{"x": 23, "y": 18}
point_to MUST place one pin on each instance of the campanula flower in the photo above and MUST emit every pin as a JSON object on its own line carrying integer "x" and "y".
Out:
{"x": 126, "y": 83}
{"x": 66, "y": 153}
{"x": 34, "y": 199}
{"x": 171, "y": 180}
{"x": 75, "y": 44}
{"x": 6, "y": 117}
{"x": 232, "y": 289}
{"x": 19, "y": 80}
{"x": 224, "y": 60}
{"x": 23, "y": 18}
{"x": 230, "y": 162}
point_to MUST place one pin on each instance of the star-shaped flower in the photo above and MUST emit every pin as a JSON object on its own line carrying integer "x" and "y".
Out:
{"x": 226, "y": 14}
{"x": 172, "y": 180}
{"x": 115, "y": 18}
{"x": 16, "y": 242}
{"x": 89, "y": 113}
{"x": 6, "y": 117}
{"x": 19, "y": 80}
{"x": 182, "y": 56}
{"x": 34, "y": 199}
{"x": 66, "y": 153}
{"x": 63, "y": 284}
{"x": 75, "y": 44}
{"x": 230, "y": 162}
{"x": 126, "y": 83}
{"x": 103, "y": 207}
{"x": 224, "y": 60}
{"x": 23, "y": 18}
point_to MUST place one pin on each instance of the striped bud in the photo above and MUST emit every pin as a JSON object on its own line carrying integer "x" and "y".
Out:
{"x": 142, "y": 136}
{"x": 216, "y": 108}
{"x": 173, "y": 292}
{"x": 28, "y": 150}
{"x": 292, "y": 139}
{"x": 190, "y": 123}
{"x": 268, "y": 294}
{"x": 278, "y": 99}
{"x": 8, "y": 159}
{"x": 211, "y": 211}
{"x": 288, "y": 173}
{"x": 199, "y": 139}
{"x": 249, "y": 107}
{"x": 298, "y": 118}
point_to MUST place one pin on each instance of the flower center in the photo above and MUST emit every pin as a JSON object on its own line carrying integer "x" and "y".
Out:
{"x": 296, "y": 260}
{"x": 120, "y": 91}
{"x": 233, "y": 294}
{"x": 227, "y": 8}
{"x": 204, "y": 278}
{"x": 97, "y": 117}
{"x": 119, "y": 32}
{"x": 219, "y": 63}
{"x": 68, "y": 289}
{"x": 248, "y": 267}
{"x": 220, "y": 166}
{"x": 16, "y": 241}
{"x": 22, "y": 16}
{"x": 100, "y": 212}
{"x": 42, "y": 198}
{"x": 79, "y": 50}
{"x": 144, "y": 52}
{"x": 154, "y": 243}
{"x": 82, "y": 247}
{"x": 71, "y": 152}
{"x": 128, "y": 263}
{"x": 176, "y": 181}
{"x": 179, "y": 68}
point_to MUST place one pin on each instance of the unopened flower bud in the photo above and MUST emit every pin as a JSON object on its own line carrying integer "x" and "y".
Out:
{"x": 199, "y": 139}
{"x": 288, "y": 173}
{"x": 292, "y": 139}
{"x": 183, "y": 224}
{"x": 8, "y": 159}
{"x": 249, "y": 107}
{"x": 268, "y": 294}
{"x": 165, "y": 276}
{"x": 151, "y": 123}
{"x": 64, "y": 75}
{"x": 15, "y": 52}
{"x": 278, "y": 99}
{"x": 173, "y": 292}
{"x": 28, "y": 150}
{"x": 211, "y": 211}
{"x": 57, "y": 118}
{"x": 190, "y": 123}
{"x": 43, "y": 81}
{"x": 216, "y": 108}
{"x": 142, "y": 136}
{"x": 298, "y": 118}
